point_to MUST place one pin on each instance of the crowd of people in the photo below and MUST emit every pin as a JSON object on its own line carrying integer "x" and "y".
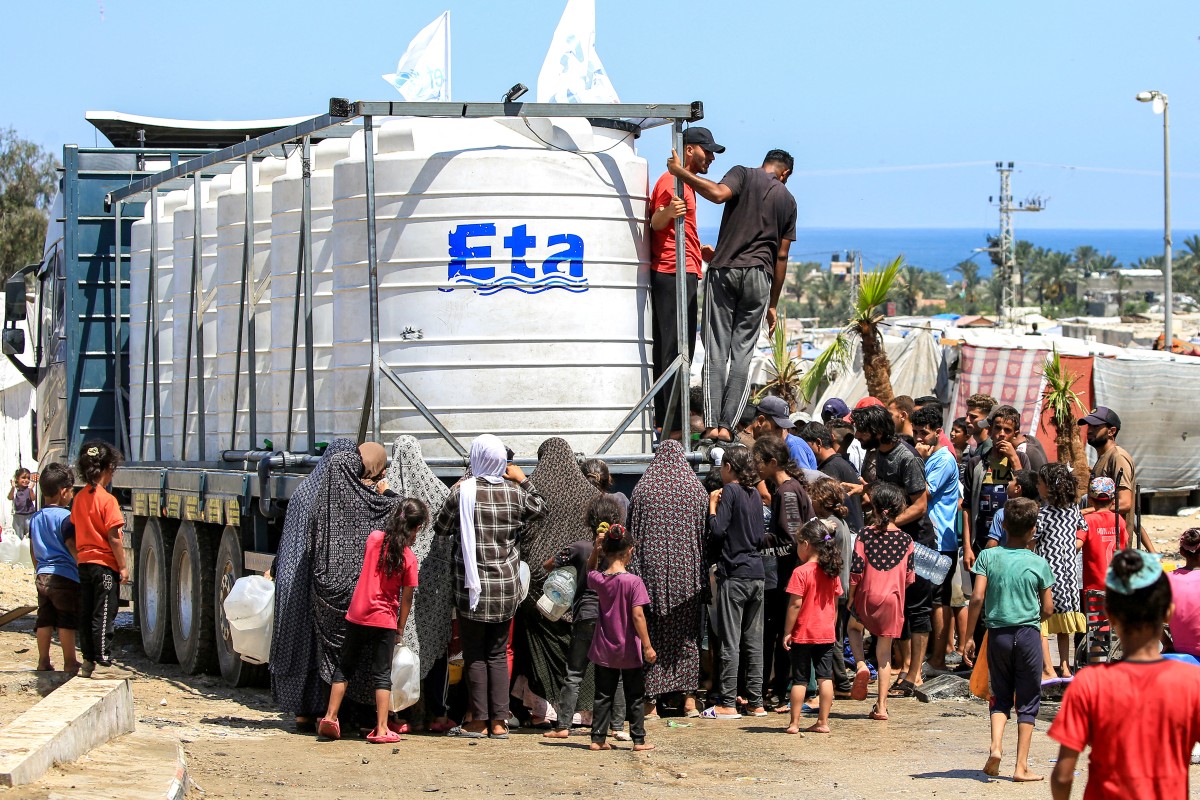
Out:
{"x": 767, "y": 587}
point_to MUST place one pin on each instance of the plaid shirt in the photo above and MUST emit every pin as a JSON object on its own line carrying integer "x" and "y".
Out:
{"x": 501, "y": 511}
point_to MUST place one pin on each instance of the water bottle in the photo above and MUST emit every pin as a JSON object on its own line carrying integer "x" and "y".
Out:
{"x": 930, "y": 564}
{"x": 558, "y": 592}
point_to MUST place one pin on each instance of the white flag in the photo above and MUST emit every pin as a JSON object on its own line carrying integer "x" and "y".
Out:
{"x": 572, "y": 72}
{"x": 424, "y": 70}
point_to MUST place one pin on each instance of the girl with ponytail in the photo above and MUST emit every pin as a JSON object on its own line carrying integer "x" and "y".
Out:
{"x": 880, "y": 570}
{"x": 378, "y": 611}
{"x": 811, "y": 622}
{"x": 621, "y": 643}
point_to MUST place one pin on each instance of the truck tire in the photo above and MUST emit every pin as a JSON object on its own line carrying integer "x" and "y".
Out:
{"x": 192, "y": 617}
{"x": 229, "y": 568}
{"x": 153, "y": 592}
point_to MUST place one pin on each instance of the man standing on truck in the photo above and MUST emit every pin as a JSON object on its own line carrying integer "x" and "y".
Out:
{"x": 745, "y": 277}
{"x": 699, "y": 150}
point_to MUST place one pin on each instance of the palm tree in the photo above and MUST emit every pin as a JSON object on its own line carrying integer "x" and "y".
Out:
{"x": 971, "y": 282}
{"x": 783, "y": 368}
{"x": 1054, "y": 273}
{"x": 1085, "y": 257}
{"x": 873, "y": 291}
{"x": 1063, "y": 402}
{"x": 915, "y": 285}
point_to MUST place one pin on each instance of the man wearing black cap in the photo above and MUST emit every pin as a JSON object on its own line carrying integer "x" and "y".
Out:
{"x": 1113, "y": 461}
{"x": 745, "y": 277}
{"x": 699, "y": 150}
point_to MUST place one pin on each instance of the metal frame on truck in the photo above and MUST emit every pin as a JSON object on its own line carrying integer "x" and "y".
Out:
{"x": 200, "y": 522}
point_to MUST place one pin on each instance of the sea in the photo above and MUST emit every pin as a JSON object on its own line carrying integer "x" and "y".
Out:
{"x": 941, "y": 249}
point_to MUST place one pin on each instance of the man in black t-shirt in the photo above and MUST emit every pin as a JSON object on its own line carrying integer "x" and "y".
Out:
{"x": 744, "y": 279}
{"x": 897, "y": 462}
{"x": 836, "y": 466}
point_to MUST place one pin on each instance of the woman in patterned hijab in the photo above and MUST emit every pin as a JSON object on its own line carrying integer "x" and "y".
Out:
{"x": 567, "y": 493}
{"x": 344, "y": 514}
{"x": 429, "y": 626}
{"x": 668, "y": 516}
{"x": 295, "y": 685}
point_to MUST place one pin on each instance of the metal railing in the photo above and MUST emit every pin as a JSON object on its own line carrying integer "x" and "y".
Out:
{"x": 336, "y": 123}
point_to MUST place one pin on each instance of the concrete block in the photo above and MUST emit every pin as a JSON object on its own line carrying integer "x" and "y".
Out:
{"x": 146, "y": 765}
{"x": 64, "y": 726}
{"x": 944, "y": 687}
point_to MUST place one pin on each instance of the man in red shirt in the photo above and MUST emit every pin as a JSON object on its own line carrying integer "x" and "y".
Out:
{"x": 699, "y": 150}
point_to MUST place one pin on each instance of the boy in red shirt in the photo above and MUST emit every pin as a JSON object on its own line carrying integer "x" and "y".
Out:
{"x": 1141, "y": 715}
{"x": 1104, "y": 536}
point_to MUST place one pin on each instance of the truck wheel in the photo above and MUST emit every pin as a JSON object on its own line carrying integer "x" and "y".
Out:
{"x": 192, "y": 618}
{"x": 229, "y": 568}
{"x": 153, "y": 592}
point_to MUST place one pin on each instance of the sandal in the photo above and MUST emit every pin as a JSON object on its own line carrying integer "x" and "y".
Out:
{"x": 504, "y": 735}
{"x": 462, "y": 733}
{"x": 875, "y": 715}
{"x": 329, "y": 728}
{"x": 397, "y": 728}
{"x": 905, "y": 688}
{"x": 391, "y": 737}
{"x": 441, "y": 727}
{"x": 858, "y": 690}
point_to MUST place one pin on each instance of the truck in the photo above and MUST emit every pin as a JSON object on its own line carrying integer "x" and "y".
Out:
{"x": 440, "y": 295}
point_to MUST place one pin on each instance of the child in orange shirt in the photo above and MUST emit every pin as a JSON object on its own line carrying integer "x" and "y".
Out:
{"x": 98, "y": 521}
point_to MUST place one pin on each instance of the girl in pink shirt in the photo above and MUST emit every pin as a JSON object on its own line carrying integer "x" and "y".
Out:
{"x": 378, "y": 611}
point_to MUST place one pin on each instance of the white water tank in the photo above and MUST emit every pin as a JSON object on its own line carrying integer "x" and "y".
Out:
{"x": 139, "y": 279}
{"x": 141, "y": 366}
{"x": 285, "y": 266}
{"x": 205, "y": 283}
{"x": 231, "y": 226}
{"x": 512, "y": 276}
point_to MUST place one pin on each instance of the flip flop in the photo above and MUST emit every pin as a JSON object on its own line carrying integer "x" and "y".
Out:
{"x": 460, "y": 732}
{"x": 391, "y": 737}
{"x": 858, "y": 691}
{"x": 503, "y": 735}
{"x": 875, "y": 715}
{"x": 397, "y": 728}
{"x": 903, "y": 689}
{"x": 440, "y": 727}
{"x": 690, "y": 714}
{"x": 329, "y": 728}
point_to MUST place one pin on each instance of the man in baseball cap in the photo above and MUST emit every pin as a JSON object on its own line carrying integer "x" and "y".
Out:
{"x": 834, "y": 408}
{"x": 866, "y": 402}
{"x": 773, "y": 418}
{"x": 1113, "y": 461}
{"x": 699, "y": 150}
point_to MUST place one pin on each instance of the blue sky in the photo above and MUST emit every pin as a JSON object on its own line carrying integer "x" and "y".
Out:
{"x": 854, "y": 90}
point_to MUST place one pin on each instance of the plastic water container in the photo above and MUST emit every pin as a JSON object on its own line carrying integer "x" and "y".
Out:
{"x": 250, "y": 610}
{"x": 406, "y": 678}
{"x": 558, "y": 592}
{"x": 24, "y": 557}
{"x": 9, "y": 547}
{"x": 930, "y": 564}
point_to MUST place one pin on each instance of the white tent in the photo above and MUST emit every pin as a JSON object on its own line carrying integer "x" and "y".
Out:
{"x": 915, "y": 360}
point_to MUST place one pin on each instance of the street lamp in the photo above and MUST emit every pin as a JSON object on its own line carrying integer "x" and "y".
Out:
{"x": 1159, "y": 101}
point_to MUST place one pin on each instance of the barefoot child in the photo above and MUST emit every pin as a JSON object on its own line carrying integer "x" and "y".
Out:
{"x": 1140, "y": 715}
{"x": 621, "y": 640}
{"x": 811, "y": 623}
{"x": 1013, "y": 584}
{"x": 23, "y": 499}
{"x": 881, "y": 569}
{"x": 389, "y": 576}
{"x": 98, "y": 522}
{"x": 52, "y": 546}
{"x": 1056, "y": 540}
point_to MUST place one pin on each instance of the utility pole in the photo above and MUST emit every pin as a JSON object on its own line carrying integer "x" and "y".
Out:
{"x": 1009, "y": 274}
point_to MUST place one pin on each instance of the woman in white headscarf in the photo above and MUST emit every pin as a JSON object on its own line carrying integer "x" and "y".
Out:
{"x": 486, "y": 512}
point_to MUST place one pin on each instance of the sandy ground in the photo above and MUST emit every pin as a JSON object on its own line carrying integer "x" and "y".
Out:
{"x": 238, "y": 746}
